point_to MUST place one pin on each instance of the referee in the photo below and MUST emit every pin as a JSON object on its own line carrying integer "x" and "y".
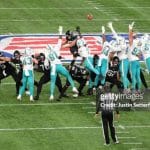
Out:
{"x": 105, "y": 103}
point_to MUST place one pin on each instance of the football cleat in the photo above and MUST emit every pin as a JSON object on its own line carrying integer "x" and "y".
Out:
{"x": 75, "y": 90}
{"x": 27, "y": 92}
{"x": 75, "y": 95}
{"x": 31, "y": 99}
{"x": 19, "y": 97}
{"x": 51, "y": 98}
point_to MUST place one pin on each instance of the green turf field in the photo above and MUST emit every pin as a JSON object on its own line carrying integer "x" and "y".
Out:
{"x": 69, "y": 124}
{"x": 44, "y": 16}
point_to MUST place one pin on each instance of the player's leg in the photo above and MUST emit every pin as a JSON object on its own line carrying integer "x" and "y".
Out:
{"x": 43, "y": 80}
{"x": 138, "y": 77}
{"x": 124, "y": 67}
{"x": 31, "y": 84}
{"x": 53, "y": 75}
{"x": 62, "y": 70}
{"x": 148, "y": 63}
{"x": 133, "y": 74}
{"x": 112, "y": 128}
{"x": 58, "y": 83}
{"x": 105, "y": 128}
{"x": 103, "y": 71}
{"x": 22, "y": 88}
{"x": 143, "y": 79}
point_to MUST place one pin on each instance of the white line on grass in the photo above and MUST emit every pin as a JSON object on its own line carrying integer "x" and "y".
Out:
{"x": 42, "y": 104}
{"x": 91, "y": 112}
{"x": 122, "y": 132}
{"x": 137, "y": 126}
{"x": 127, "y": 137}
{"x": 51, "y": 8}
{"x": 88, "y": 107}
{"x": 51, "y": 128}
{"x": 9, "y": 83}
{"x": 57, "y": 128}
{"x": 80, "y": 8}
{"x": 133, "y": 143}
{"x": 82, "y": 20}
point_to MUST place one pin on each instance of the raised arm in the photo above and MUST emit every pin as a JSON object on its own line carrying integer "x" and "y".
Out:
{"x": 103, "y": 34}
{"x": 131, "y": 33}
{"x": 110, "y": 26}
{"x": 59, "y": 44}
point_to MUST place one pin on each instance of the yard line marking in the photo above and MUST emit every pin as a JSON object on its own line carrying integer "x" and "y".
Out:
{"x": 80, "y": 8}
{"x": 52, "y": 20}
{"x": 43, "y": 104}
{"x": 8, "y": 83}
{"x": 51, "y": 128}
{"x": 127, "y": 137}
{"x": 51, "y": 8}
{"x": 56, "y": 128}
{"x": 96, "y": 7}
{"x": 88, "y": 107}
{"x": 138, "y": 149}
{"x": 91, "y": 112}
{"x": 132, "y": 143}
{"x": 122, "y": 132}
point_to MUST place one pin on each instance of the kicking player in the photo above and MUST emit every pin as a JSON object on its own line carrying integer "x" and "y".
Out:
{"x": 52, "y": 54}
{"x": 71, "y": 42}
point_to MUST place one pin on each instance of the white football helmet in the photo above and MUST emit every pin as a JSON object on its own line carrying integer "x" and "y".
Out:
{"x": 145, "y": 38}
{"x": 83, "y": 52}
{"x": 81, "y": 42}
{"x": 49, "y": 48}
{"x": 28, "y": 51}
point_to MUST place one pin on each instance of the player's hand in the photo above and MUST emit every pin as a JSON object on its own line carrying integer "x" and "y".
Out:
{"x": 60, "y": 30}
{"x": 103, "y": 30}
{"x": 110, "y": 25}
{"x": 131, "y": 26}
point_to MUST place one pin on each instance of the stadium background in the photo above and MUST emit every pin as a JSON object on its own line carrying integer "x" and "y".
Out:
{"x": 69, "y": 124}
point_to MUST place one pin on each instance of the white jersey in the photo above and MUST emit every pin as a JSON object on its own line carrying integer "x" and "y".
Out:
{"x": 133, "y": 52}
{"x": 84, "y": 51}
{"x": 53, "y": 54}
{"x": 123, "y": 53}
{"x": 146, "y": 49}
{"x": 106, "y": 49}
{"x": 27, "y": 62}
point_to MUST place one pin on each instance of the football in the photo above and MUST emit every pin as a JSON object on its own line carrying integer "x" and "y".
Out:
{"x": 89, "y": 16}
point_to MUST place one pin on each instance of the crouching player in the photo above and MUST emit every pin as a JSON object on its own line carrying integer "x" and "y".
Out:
{"x": 79, "y": 74}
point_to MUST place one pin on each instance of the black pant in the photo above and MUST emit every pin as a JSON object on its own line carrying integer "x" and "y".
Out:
{"x": 115, "y": 81}
{"x": 107, "y": 120}
{"x": 46, "y": 78}
{"x": 80, "y": 80}
{"x": 142, "y": 79}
